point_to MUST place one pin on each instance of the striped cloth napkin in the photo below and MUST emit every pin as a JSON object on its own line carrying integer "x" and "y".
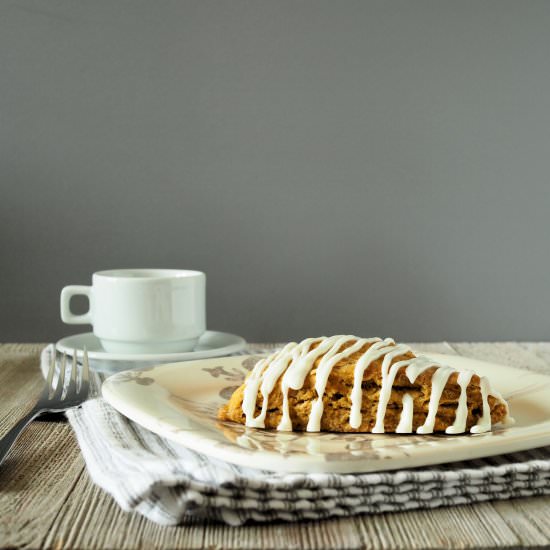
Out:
{"x": 169, "y": 484}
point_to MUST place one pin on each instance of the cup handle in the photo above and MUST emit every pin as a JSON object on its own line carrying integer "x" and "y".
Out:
{"x": 66, "y": 314}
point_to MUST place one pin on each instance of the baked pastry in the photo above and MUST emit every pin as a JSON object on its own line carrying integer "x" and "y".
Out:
{"x": 351, "y": 384}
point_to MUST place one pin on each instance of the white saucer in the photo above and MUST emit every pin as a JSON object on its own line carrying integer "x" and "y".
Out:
{"x": 211, "y": 344}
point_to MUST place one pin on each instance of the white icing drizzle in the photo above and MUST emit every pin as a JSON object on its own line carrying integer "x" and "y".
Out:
{"x": 484, "y": 423}
{"x": 459, "y": 425}
{"x": 267, "y": 378}
{"x": 297, "y": 371}
{"x": 405, "y": 425}
{"x": 417, "y": 366}
{"x": 377, "y": 350}
{"x": 414, "y": 367}
{"x": 439, "y": 379}
{"x": 292, "y": 364}
{"x": 387, "y": 385}
{"x": 323, "y": 370}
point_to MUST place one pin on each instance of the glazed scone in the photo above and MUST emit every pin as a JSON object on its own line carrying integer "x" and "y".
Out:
{"x": 365, "y": 385}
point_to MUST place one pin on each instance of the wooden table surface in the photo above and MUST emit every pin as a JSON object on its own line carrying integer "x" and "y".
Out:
{"x": 47, "y": 498}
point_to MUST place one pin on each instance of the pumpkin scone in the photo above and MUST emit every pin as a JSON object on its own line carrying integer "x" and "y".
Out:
{"x": 351, "y": 384}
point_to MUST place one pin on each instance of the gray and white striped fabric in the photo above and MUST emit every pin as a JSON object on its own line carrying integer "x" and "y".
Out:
{"x": 169, "y": 484}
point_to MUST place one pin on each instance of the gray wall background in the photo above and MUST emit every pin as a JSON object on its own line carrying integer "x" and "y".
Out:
{"x": 374, "y": 167}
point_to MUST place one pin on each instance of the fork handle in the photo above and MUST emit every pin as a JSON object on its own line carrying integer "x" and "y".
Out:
{"x": 8, "y": 440}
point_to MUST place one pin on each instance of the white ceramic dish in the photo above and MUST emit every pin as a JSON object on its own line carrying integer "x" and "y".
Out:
{"x": 211, "y": 344}
{"x": 179, "y": 401}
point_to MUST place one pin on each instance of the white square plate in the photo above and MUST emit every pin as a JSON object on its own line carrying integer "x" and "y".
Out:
{"x": 180, "y": 401}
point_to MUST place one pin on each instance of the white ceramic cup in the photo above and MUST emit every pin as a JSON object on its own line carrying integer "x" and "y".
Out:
{"x": 142, "y": 310}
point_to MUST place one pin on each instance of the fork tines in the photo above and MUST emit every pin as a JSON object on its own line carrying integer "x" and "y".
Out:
{"x": 75, "y": 389}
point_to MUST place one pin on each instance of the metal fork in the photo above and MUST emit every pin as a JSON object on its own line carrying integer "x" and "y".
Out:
{"x": 54, "y": 398}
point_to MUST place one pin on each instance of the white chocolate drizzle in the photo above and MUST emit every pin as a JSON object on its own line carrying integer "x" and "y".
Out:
{"x": 459, "y": 425}
{"x": 406, "y": 421}
{"x": 484, "y": 423}
{"x": 323, "y": 371}
{"x": 439, "y": 380}
{"x": 294, "y": 362}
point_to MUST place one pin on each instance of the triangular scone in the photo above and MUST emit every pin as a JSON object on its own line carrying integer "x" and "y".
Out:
{"x": 367, "y": 385}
